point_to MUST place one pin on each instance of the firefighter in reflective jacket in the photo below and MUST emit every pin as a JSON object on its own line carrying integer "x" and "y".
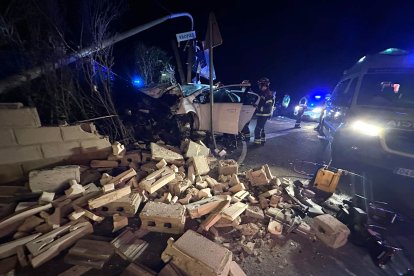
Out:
{"x": 264, "y": 110}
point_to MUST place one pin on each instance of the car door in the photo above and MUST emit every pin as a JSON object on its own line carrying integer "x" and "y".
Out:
{"x": 248, "y": 107}
{"x": 338, "y": 106}
{"x": 226, "y": 114}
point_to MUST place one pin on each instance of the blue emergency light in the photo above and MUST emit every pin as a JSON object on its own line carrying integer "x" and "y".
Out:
{"x": 137, "y": 82}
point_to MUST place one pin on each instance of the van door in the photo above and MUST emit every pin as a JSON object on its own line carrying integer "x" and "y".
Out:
{"x": 338, "y": 106}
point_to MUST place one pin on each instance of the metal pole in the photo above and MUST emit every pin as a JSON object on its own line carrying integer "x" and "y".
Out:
{"x": 190, "y": 58}
{"x": 16, "y": 80}
{"x": 210, "y": 54}
{"x": 178, "y": 60}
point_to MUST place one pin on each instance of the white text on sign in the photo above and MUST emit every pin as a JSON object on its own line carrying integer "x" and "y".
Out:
{"x": 186, "y": 36}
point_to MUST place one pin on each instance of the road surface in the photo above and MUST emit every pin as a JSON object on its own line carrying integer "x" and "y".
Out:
{"x": 284, "y": 152}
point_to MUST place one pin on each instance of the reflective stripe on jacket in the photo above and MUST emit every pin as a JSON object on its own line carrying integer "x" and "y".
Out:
{"x": 265, "y": 107}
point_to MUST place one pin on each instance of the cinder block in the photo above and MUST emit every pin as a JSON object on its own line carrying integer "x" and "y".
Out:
{"x": 20, "y": 117}
{"x": 63, "y": 149}
{"x": 161, "y": 217}
{"x": 79, "y": 132}
{"x": 236, "y": 270}
{"x": 41, "y": 135}
{"x": 255, "y": 212}
{"x": 126, "y": 206}
{"x": 201, "y": 165}
{"x": 96, "y": 149}
{"x": 195, "y": 149}
{"x": 18, "y": 154}
{"x": 330, "y": 230}
{"x": 40, "y": 164}
{"x": 196, "y": 255}
{"x": 9, "y": 173}
{"x": 11, "y": 105}
{"x": 53, "y": 180}
{"x": 7, "y": 137}
{"x": 228, "y": 167}
{"x": 257, "y": 178}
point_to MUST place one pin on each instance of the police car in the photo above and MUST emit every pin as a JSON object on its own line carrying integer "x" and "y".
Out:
{"x": 314, "y": 106}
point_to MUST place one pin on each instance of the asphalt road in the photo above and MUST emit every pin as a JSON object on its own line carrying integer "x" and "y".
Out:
{"x": 287, "y": 152}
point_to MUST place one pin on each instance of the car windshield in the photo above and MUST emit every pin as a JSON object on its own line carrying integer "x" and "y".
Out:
{"x": 190, "y": 89}
{"x": 392, "y": 90}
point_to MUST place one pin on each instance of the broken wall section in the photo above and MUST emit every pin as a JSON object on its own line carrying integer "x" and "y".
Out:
{"x": 25, "y": 145}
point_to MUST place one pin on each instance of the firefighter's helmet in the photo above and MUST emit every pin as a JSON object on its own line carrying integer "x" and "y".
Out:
{"x": 263, "y": 80}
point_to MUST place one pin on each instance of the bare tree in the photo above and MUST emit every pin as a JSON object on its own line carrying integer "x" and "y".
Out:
{"x": 41, "y": 32}
{"x": 153, "y": 64}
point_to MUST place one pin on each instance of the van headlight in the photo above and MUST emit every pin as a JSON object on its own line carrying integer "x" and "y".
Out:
{"x": 366, "y": 128}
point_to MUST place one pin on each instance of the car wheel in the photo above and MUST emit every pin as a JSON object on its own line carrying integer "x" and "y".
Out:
{"x": 193, "y": 120}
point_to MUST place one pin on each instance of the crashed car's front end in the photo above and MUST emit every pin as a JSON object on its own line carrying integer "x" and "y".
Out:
{"x": 174, "y": 111}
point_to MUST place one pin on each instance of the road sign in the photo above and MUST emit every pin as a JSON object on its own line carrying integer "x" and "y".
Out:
{"x": 213, "y": 35}
{"x": 186, "y": 36}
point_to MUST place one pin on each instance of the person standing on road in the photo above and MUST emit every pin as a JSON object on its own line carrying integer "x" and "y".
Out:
{"x": 303, "y": 104}
{"x": 319, "y": 127}
{"x": 264, "y": 110}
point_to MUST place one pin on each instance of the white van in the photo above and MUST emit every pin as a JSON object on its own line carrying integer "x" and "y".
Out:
{"x": 370, "y": 116}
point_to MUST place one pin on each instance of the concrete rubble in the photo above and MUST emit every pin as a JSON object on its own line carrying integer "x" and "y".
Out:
{"x": 167, "y": 190}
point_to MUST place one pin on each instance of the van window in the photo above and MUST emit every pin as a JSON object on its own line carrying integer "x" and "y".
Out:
{"x": 387, "y": 89}
{"x": 340, "y": 97}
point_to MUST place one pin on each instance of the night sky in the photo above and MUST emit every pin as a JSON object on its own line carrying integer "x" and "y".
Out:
{"x": 302, "y": 46}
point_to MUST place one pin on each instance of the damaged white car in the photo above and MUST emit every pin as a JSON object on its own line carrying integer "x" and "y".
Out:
{"x": 188, "y": 106}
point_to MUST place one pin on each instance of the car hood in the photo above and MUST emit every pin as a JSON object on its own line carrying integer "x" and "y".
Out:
{"x": 158, "y": 91}
{"x": 186, "y": 90}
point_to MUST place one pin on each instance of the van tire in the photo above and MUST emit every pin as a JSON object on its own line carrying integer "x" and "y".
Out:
{"x": 338, "y": 158}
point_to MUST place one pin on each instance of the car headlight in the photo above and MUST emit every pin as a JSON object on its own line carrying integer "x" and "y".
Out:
{"x": 366, "y": 128}
{"x": 317, "y": 110}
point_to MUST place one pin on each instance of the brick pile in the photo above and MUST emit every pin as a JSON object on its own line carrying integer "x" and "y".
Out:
{"x": 169, "y": 190}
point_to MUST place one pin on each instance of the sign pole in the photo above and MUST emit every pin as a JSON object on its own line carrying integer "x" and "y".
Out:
{"x": 213, "y": 39}
{"x": 190, "y": 58}
{"x": 210, "y": 54}
{"x": 178, "y": 61}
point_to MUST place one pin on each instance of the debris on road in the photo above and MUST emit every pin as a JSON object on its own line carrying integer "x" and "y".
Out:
{"x": 161, "y": 217}
{"x": 54, "y": 179}
{"x": 330, "y": 230}
{"x": 168, "y": 190}
{"x": 129, "y": 244}
{"x": 228, "y": 167}
{"x": 188, "y": 253}
{"x": 90, "y": 253}
{"x": 275, "y": 228}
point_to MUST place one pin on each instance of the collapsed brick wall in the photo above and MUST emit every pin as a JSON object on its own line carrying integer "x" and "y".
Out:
{"x": 25, "y": 145}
